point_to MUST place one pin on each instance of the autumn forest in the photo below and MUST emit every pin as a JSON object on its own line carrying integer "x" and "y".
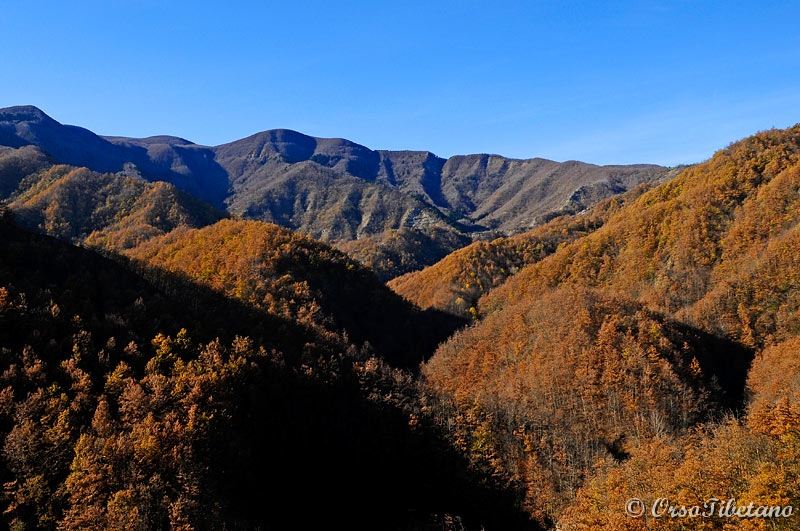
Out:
{"x": 296, "y": 333}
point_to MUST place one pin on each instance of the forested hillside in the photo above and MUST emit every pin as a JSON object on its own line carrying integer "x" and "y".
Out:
{"x": 650, "y": 358}
{"x": 292, "y": 276}
{"x": 456, "y": 283}
{"x": 170, "y": 365}
{"x": 143, "y": 400}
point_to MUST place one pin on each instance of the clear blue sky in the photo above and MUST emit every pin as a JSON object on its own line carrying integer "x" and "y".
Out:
{"x": 665, "y": 82}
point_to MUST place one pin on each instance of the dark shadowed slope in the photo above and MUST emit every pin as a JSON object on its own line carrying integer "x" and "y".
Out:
{"x": 121, "y": 409}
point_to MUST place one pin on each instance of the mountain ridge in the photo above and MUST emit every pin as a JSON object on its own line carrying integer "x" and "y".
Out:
{"x": 31, "y": 125}
{"x": 336, "y": 190}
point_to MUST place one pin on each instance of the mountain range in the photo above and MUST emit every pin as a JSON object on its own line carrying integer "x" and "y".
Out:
{"x": 338, "y": 191}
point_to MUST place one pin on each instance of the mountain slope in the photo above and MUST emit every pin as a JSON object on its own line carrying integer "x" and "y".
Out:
{"x": 473, "y": 192}
{"x": 80, "y": 205}
{"x": 395, "y": 252}
{"x": 295, "y": 277}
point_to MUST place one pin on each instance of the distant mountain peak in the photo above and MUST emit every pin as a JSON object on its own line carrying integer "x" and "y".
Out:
{"x": 24, "y": 113}
{"x": 280, "y": 136}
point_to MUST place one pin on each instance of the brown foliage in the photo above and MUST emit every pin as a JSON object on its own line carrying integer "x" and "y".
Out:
{"x": 540, "y": 391}
{"x": 682, "y": 240}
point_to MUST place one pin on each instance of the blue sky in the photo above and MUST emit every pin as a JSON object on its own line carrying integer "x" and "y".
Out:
{"x": 665, "y": 82}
